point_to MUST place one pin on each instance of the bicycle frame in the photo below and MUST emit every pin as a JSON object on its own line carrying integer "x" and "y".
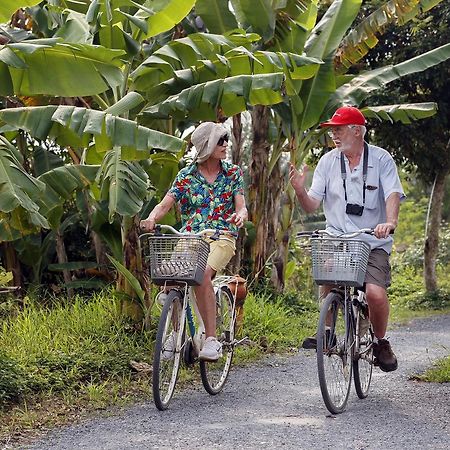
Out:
{"x": 353, "y": 302}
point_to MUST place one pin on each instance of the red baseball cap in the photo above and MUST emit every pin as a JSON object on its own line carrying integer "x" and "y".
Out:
{"x": 345, "y": 115}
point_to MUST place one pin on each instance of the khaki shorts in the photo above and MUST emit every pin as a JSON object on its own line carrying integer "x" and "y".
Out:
{"x": 378, "y": 268}
{"x": 220, "y": 253}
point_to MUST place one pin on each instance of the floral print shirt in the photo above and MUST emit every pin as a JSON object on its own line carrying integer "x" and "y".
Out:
{"x": 207, "y": 205}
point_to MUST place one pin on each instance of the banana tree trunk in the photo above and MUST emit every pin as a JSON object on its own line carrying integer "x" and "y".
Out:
{"x": 130, "y": 306}
{"x": 99, "y": 247}
{"x": 258, "y": 189}
{"x": 274, "y": 192}
{"x": 12, "y": 263}
{"x": 282, "y": 239}
{"x": 62, "y": 259}
{"x": 432, "y": 232}
{"x": 236, "y": 157}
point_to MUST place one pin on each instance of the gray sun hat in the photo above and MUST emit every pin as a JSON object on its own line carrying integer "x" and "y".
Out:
{"x": 205, "y": 138}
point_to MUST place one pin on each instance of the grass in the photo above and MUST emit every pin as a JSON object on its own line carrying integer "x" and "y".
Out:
{"x": 438, "y": 373}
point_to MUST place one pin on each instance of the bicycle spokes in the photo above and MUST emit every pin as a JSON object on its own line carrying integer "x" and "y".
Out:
{"x": 214, "y": 374}
{"x": 334, "y": 361}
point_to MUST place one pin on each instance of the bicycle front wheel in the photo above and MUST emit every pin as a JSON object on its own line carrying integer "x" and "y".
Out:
{"x": 215, "y": 374}
{"x": 363, "y": 363}
{"x": 334, "y": 354}
{"x": 168, "y": 349}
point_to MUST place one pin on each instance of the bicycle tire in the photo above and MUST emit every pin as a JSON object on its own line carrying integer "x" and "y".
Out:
{"x": 165, "y": 369}
{"x": 334, "y": 358}
{"x": 215, "y": 374}
{"x": 363, "y": 364}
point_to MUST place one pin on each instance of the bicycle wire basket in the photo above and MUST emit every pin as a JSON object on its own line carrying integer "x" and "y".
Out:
{"x": 176, "y": 258}
{"x": 337, "y": 261}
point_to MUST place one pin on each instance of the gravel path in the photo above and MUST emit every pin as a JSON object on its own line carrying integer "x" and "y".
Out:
{"x": 277, "y": 404}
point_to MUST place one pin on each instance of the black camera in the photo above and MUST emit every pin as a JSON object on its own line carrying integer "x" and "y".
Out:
{"x": 354, "y": 210}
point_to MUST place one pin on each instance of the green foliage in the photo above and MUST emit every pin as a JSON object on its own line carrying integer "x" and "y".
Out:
{"x": 273, "y": 325}
{"x": 439, "y": 299}
{"x": 63, "y": 347}
{"x": 408, "y": 291}
{"x": 411, "y": 247}
{"x": 12, "y": 380}
{"x": 438, "y": 373}
{"x": 5, "y": 277}
{"x": 411, "y": 223}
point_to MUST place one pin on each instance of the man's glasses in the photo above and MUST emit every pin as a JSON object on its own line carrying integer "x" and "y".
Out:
{"x": 223, "y": 140}
{"x": 333, "y": 131}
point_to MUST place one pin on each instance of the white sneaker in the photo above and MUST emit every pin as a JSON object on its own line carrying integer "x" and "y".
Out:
{"x": 211, "y": 350}
{"x": 169, "y": 346}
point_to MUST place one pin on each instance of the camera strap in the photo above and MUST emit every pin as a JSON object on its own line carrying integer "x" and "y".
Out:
{"x": 365, "y": 164}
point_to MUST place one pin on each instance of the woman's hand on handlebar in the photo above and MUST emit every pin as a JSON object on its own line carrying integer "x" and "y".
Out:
{"x": 147, "y": 225}
{"x": 383, "y": 230}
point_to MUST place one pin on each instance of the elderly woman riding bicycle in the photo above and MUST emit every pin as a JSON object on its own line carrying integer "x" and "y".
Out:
{"x": 211, "y": 196}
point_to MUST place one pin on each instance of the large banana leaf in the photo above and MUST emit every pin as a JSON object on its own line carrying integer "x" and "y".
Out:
{"x": 170, "y": 13}
{"x": 216, "y": 15}
{"x": 44, "y": 160}
{"x": 51, "y": 67}
{"x": 360, "y": 87}
{"x": 322, "y": 43}
{"x": 404, "y": 113}
{"x": 365, "y": 35}
{"x": 238, "y": 62}
{"x": 257, "y": 14}
{"x": 184, "y": 53}
{"x": 294, "y": 26}
{"x": 19, "y": 196}
{"x": 50, "y": 121}
{"x": 60, "y": 184}
{"x": 231, "y": 96}
{"x": 123, "y": 183}
{"x": 9, "y": 7}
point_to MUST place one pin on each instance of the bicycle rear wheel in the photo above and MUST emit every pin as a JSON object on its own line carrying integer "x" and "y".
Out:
{"x": 215, "y": 374}
{"x": 334, "y": 354}
{"x": 168, "y": 350}
{"x": 363, "y": 364}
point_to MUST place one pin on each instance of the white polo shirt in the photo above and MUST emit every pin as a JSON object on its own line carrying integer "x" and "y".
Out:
{"x": 382, "y": 181}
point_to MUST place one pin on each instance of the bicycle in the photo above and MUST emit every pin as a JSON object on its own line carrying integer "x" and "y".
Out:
{"x": 177, "y": 261}
{"x": 344, "y": 333}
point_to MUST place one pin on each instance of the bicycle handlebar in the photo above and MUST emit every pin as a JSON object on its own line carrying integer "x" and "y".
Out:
{"x": 216, "y": 233}
{"x": 343, "y": 235}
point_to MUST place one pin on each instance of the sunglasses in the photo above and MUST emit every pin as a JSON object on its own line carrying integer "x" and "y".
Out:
{"x": 223, "y": 140}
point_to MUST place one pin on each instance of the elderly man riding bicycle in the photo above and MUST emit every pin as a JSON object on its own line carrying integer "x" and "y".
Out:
{"x": 360, "y": 188}
{"x": 211, "y": 196}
